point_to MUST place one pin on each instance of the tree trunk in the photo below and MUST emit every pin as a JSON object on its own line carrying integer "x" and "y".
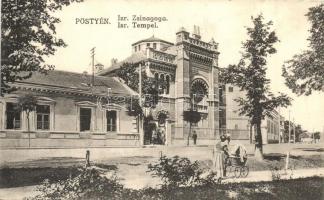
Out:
{"x": 258, "y": 154}
{"x": 189, "y": 134}
{"x": 141, "y": 130}
{"x": 28, "y": 129}
{"x": 251, "y": 127}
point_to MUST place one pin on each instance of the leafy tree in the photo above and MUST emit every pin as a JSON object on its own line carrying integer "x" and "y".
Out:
{"x": 298, "y": 133}
{"x": 317, "y": 135}
{"x": 27, "y": 103}
{"x": 151, "y": 88}
{"x": 128, "y": 72}
{"x": 286, "y": 131}
{"x": 304, "y": 72}
{"x": 27, "y": 36}
{"x": 191, "y": 116}
{"x": 250, "y": 76}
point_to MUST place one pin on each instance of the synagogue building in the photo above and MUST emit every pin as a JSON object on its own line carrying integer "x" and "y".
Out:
{"x": 70, "y": 113}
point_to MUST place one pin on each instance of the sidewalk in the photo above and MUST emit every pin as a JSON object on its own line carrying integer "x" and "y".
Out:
{"x": 194, "y": 152}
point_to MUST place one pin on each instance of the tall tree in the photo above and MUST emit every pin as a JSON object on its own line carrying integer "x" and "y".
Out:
{"x": 27, "y": 36}
{"x": 250, "y": 76}
{"x": 304, "y": 72}
{"x": 298, "y": 133}
{"x": 27, "y": 103}
{"x": 290, "y": 135}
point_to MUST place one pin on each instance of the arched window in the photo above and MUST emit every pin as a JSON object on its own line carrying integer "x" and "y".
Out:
{"x": 199, "y": 90}
{"x": 167, "y": 79}
{"x": 162, "y": 80}
{"x": 156, "y": 78}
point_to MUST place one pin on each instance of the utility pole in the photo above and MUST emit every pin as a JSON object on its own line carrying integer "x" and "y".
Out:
{"x": 294, "y": 127}
{"x": 141, "y": 132}
{"x": 92, "y": 63}
{"x": 289, "y": 127}
{"x": 0, "y": 80}
{"x": 279, "y": 133}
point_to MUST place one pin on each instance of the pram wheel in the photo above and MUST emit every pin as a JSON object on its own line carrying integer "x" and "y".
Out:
{"x": 244, "y": 171}
{"x": 237, "y": 172}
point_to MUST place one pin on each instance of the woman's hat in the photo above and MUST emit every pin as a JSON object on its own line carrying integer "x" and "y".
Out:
{"x": 223, "y": 137}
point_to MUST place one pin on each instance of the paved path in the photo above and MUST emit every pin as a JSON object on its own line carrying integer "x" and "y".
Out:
{"x": 194, "y": 152}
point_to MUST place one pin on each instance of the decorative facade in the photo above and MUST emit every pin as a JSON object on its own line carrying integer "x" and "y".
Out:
{"x": 190, "y": 68}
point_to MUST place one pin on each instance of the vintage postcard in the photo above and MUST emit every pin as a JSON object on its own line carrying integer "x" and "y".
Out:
{"x": 140, "y": 99}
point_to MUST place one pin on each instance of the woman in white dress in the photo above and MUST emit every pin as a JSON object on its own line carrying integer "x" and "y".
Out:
{"x": 219, "y": 157}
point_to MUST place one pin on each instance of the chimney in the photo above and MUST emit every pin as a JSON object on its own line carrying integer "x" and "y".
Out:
{"x": 196, "y": 33}
{"x": 99, "y": 67}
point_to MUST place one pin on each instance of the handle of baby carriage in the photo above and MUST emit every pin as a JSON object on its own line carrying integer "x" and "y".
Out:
{"x": 231, "y": 156}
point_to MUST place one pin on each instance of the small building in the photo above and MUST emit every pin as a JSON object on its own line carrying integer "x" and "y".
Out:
{"x": 68, "y": 113}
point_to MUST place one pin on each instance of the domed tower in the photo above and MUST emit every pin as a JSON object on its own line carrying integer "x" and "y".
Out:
{"x": 151, "y": 42}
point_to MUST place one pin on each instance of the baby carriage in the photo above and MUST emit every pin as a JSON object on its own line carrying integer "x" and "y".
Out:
{"x": 235, "y": 162}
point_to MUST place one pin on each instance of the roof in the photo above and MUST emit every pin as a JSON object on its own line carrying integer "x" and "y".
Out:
{"x": 77, "y": 82}
{"x": 170, "y": 50}
{"x": 304, "y": 135}
{"x": 134, "y": 58}
{"x": 152, "y": 39}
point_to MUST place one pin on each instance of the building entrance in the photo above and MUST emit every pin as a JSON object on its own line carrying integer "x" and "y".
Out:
{"x": 154, "y": 133}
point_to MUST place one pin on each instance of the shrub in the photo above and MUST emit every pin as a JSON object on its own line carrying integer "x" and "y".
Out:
{"x": 180, "y": 172}
{"x": 89, "y": 184}
{"x": 275, "y": 173}
{"x": 34, "y": 176}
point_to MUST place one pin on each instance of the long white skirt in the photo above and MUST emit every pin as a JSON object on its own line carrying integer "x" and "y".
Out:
{"x": 218, "y": 163}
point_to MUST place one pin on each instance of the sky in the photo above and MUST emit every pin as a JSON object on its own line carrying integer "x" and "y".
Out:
{"x": 223, "y": 20}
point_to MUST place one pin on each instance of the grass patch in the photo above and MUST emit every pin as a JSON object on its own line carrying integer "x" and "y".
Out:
{"x": 26, "y": 176}
{"x": 279, "y": 160}
{"x": 298, "y": 189}
{"x": 16, "y": 177}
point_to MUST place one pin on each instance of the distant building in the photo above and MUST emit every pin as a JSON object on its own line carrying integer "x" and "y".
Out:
{"x": 239, "y": 126}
